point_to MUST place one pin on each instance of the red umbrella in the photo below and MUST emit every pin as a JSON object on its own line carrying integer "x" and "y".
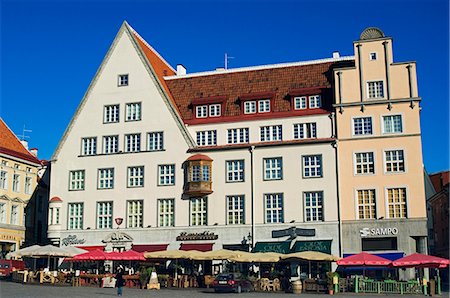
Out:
{"x": 363, "y": 259}
{"x": 114, "y": 256}
{"x": 131, "y": 255}
{"x": 94, "y": 255}
{"x": 421, "y": 261}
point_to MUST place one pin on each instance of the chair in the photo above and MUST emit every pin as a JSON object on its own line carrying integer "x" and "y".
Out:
{"x": 342, "y": 285}
{"x": 276, "y": 285}
{"x": 264, "y": 284}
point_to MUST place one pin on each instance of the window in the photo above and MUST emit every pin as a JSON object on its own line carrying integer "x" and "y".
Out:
{"x": 16, "y": 183}
{"x": 16, "y": 166}
{"x": 76, "y": 180}
{"x": 134, "y": 214}
{"x": 238, "y": 135}
{"x": 305, "y": 131}
{"x": 392, "y": 124}
{"x": 135, "y": 176}
{"x": 104, "y": 215}
{"x": 3, "y": 180}
{"x": 235, "y": 170}
{"x": 133, "y": 111}
{"x": 133, "y": 142}
{"x": 235, "y": 210}
{"x": 28, "y": 185}
{"x": 362, "y": 126}
{"x": 274, "y": 208}
{"x": 195, "y": 177}
{"x": 166, "y": 175}
{"x": 2, "y": 213}
{"x": 89, "y": 146}
{"x": 207, "y": 138}
{"x": 155, "y": 141}
{"x": 264, "y": 106}
{"x": 397, "y": 202}
{"x": 314, "y": 102}
{"x": 364, "y": 163}
{"x": 313, "y": 206}
{"x": 249, "y": 107}
{"x": 366, "y": 204}
{"x": 201, "y": 111}
{"x": 312, "y": 166}
{"x": 199, "y": 212}
{"x": 166, "y": 212}
{"x": 29, "y": 170}
{"x": 373, "y": 56}
{"x": 375, "y": 89}
{"x": 53, "y": 216}
{"x": 300, "y": 103}
{"x": 271, "y": 133}
{"x": 75, "y": 216}
{"x": 111, "y": 114}
{"x": 110, "y": 144}
{"x": 56, "y": 216}
{"x": 106, "y": 178}
{"x": 394, "y": 161}
{"x": 214, "y": 110}
{"x": 273, "y": 168}
{"x": 14, "y": 214}
{"x": 205, "y": 173}
{"x": 122, "y": 80}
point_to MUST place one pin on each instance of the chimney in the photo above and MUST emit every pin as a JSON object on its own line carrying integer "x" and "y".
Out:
{"x": 24, "y": 143}
{"x": 34, "y": 151}
{"x": 336, "y": 54}
{"x": 181, "y": 70}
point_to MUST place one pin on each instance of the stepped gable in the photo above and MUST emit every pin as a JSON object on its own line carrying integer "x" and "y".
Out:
{"x": 10, "y": 145}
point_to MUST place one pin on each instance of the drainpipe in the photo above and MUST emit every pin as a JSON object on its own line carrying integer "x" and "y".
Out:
{"x": 335, "y": 146}
{"x": 252, "y": 181}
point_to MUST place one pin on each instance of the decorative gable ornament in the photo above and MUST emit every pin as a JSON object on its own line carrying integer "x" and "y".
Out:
{"x": 117, "y": 237}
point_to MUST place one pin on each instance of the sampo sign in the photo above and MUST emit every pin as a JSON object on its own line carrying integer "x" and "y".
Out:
{"x": 370, "y": 232}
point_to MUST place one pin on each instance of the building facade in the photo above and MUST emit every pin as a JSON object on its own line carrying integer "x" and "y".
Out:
{"x": 18, "y": 179}
{"x": 157, "y": 158}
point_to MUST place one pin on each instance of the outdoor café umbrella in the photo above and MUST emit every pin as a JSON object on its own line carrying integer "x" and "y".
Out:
{"x": 421, "y": 261}
{"x": 24, "y": 250}
{"x": 365, "y": 260}
{"x": 310, "y": 256}
{"x": 93, "y": 255}
{"x": 257, "y": 257}
{"x": 171, "y": 254}
{"x": 131, "y": 255}
{"x": 221, "y": 254}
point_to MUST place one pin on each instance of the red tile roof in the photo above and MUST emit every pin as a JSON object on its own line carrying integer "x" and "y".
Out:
{"x": 199, "y": 157}
{"x": 10, "y": 145}
{"x": 440, "y": 180}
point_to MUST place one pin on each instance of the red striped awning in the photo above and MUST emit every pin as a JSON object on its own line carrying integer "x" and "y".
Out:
{"x": 197, "y": 246}
{"x": 94, "y": 247}
{"x": 149, "y": 247}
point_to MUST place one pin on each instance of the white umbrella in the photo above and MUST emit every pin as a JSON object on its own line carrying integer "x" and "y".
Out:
{"x": 25, "y": 250}
{"x": 74, "y": 250}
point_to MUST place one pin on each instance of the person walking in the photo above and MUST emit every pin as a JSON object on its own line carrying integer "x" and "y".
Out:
{"x": 120, "y": 282}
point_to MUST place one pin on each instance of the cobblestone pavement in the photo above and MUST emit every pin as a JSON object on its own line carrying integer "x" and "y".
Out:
{"x": 11, "y": 289}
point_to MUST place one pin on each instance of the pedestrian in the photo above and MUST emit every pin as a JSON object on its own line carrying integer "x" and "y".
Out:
{"x": 120, "y": 282}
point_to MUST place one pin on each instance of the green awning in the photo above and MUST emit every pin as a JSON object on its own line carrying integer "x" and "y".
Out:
{"x": 318, "y": 245}
{"x": 279, "y": 247}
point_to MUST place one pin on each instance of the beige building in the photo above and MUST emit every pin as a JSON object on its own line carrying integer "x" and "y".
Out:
{"x": 18, "y": 178}
{"x": 380, "y": 155}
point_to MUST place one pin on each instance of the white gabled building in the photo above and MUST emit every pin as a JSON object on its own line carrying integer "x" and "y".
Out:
{"x": 227, "y": 158}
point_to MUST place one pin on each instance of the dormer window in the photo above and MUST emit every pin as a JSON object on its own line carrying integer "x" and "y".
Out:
{"x": 314, "y": 102}
{"x": 210, "y": 110}
{"x": 250, "y": 107}
{"x": 305, "y": 102}
{"x": 263, "y": 106}
{"x": 214, "y": 110}
{"x": 300, "y": 103}
{"x": 201, "y": 111}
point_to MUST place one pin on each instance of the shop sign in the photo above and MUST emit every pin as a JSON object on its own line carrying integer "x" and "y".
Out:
{"x": 293, "y": 232}
{"x": 184, "y": 236}
{"x": 72, "y": 240}
{"x": 368, "y": 232}
{"x": 117, "y": 238}
{"x": 9, "y": 237}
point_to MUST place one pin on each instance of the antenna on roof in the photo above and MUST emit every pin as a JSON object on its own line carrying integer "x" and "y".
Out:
{"x": 23, "y": 136}
{"x": 226, "y": 60}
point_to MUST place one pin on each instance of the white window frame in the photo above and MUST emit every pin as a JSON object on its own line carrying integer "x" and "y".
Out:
{"x": 122, "y": 80}
{"x": 110, "y": 144}
{"x": 166, "y": 175}
{"x": 367, "y": 120}
{"x": 3, "y": 212}
{"x": 14, "y": 220}
{"x": 273, "y": 213}
{"x": 403, "y": 205}
{"x": 315, "y": 101}
{"x": 133, "y": 142}
{"x": 198, "y": 208}
{"x": 201, "y": 111}
{"x": 16, "y": 183}
{"x": 365, "y": 164}
{"x": 133, "y": 111}
{"x": 396, "y": 163}
{"x": 76, "y": 180}
{"x": 235, "y": 170}
{"x": 273, "y": 168}
{"x": 305, "y": 130}
{"x": 250, "y": 107}
{"x": 215, "y": 110}
{"x": 317, "y": 197}
{"x": 264, "y": 106}
{"x": 391, "y": 124}
{"x": 105, "y": 178}
{"x": 166, "y": 212}
{"x": 373, "y": 56}
{"x": 135, "y": 213}
{"x": 271, "y": 133}
{"x": 207, "y": 138}
{"x": 89, "y": 146}
{"x": 3, "y": 179}
{"x": 375, "y": 92}
{"x": 111, "y": 113}
{"x": 28, "y": 182}
{"x": 300, "y": 103}
{"x": 368, "y": 204}
{"x": 235, "y": 205}
{"x": 135, "y": 176}
{"x": 105, "y": 215}
{"x": 238, "y": 135}
{"x": 75, "y": 218}
{"x": 155, "y": 141}
{"x": 312, "y": 163}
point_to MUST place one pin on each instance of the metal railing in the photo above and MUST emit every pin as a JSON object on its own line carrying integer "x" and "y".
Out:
{"x": 388, "y": 287}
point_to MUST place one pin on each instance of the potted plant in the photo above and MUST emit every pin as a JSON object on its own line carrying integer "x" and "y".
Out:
{"x": 331, "y": 277}
{"x": 144, "y": 276}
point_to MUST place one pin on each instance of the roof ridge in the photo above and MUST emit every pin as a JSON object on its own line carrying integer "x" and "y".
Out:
{"x": 30, "y": 155}
{"x": 260, "y": 67}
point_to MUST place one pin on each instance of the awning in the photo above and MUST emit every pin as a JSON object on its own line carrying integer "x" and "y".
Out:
{"x": 314, "y": 245}
{"x": 149, "y": 247}
{"x": 279, "y": 247}
{"x": 388, "y": 255}
{"x": 91, "y": 248}
{"x": 197, "y": 246}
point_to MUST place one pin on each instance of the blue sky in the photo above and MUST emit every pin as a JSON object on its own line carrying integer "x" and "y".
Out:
{"x": 50, "y": 50}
